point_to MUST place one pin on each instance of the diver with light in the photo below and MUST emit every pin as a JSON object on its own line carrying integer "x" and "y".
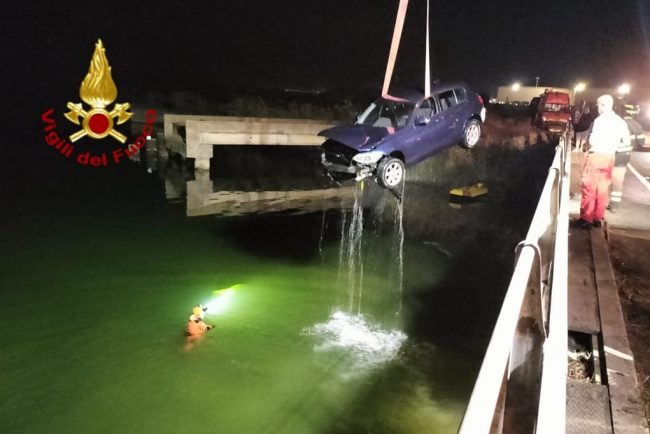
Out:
{"x": 196, "y": 327}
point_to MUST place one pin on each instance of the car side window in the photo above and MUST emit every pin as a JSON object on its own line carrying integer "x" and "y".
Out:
{"x": 384, "y": 119}
{"x": 461, "y": 95}
{"x": 402, "y": 113}
{"x": 447, "y": 99}
{"x": 427, "y": 108}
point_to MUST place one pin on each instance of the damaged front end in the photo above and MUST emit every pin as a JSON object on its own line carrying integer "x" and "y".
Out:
{"x": 344, "y": 162}
{"x": 348, "y": 150}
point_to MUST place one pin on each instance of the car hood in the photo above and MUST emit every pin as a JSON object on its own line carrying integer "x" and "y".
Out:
{"x": 357, "y": 136}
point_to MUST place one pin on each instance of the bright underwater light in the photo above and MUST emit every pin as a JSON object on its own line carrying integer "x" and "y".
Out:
{"x": 221, "y": 300}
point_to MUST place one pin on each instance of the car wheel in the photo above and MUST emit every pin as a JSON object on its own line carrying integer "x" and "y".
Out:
{"x": 390, "y": 173}
{"x": 471, "y": 134}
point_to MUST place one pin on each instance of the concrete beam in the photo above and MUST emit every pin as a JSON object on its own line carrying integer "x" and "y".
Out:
{"x": 202, "y": 132}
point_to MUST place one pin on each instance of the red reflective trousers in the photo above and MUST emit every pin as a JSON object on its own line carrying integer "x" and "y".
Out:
{"x": 595, "y": 182}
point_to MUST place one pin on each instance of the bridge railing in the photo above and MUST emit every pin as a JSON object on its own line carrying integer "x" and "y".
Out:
{"x": 521, "y": 386}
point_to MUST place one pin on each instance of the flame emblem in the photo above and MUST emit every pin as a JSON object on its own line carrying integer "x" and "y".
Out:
{"x": 98, "y": 90}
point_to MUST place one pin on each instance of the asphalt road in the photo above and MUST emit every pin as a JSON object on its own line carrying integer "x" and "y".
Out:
{"x": 637, "y": 178}
{"x": 634, "y": 212}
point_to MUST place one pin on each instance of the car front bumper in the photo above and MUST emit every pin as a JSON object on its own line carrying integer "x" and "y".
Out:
{"x": 356, "y": 170}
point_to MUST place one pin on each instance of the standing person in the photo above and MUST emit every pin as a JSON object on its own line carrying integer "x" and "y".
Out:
{"x": 623, "y": 155}
{"x": 609, "y": 132}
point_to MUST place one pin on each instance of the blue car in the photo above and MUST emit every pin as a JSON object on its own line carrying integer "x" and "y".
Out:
{"x": 401, "y": 130}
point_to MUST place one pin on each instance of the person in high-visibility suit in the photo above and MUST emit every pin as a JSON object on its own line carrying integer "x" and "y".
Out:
{"x": 637, "y": 139}
{"x": 196, "y": 327}
{"x": 608, "y": 133}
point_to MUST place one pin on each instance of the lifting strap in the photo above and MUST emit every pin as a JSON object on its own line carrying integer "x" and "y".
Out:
{"x": 397, "y": 34}
{"x": 394, "y": 46}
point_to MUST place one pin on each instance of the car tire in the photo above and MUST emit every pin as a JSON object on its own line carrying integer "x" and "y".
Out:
{"x": 471, "y": 134}
{"x": 391, "y": 172}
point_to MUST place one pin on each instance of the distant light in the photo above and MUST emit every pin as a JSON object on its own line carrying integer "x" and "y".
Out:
{"x": 516, "y": 86}
{"x": 624, "y": 89}
{"x": 579, "y": 87}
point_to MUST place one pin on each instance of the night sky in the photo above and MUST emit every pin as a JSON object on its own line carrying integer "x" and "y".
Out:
{"x": 328, "y": 44}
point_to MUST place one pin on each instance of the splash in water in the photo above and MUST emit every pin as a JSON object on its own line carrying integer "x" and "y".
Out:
{"x": 363, "y": 345}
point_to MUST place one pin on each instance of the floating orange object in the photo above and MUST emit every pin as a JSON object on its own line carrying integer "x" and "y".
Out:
{"x": 470, "y": 191}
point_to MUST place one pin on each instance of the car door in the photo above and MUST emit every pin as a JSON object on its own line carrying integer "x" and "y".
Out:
{"x": 428, "y": 131}
{"x": 442, "y": 130}
{"x": 453, "y": 116}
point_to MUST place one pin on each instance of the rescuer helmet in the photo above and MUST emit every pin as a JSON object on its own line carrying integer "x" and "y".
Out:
{"x": 197, "y": 311}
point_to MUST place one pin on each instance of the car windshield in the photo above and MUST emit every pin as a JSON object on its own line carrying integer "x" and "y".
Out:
{"x": 558, "y": 108}
{"x": 384, "y": 113}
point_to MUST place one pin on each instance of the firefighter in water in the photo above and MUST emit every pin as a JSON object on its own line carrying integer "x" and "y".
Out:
{"x": 609, "y": 132}
{"x": 196, "y": 327}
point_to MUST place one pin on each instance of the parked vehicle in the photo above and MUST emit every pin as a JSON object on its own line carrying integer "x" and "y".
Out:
{"x": 399, "y": 131}
{"x": 553, "y": 112}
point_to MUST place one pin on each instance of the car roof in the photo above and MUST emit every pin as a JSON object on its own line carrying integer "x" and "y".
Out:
{"x": 415, "y": 95}
{"x": 557, "y": 98}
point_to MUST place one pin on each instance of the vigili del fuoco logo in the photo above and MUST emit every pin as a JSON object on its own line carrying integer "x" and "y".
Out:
{"x": 98, "y": 90}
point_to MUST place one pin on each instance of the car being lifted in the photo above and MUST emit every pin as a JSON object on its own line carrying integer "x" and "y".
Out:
{"x": 401, "y": 130}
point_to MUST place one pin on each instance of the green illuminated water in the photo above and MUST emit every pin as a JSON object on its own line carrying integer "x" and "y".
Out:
{"x": 99, "y": 274}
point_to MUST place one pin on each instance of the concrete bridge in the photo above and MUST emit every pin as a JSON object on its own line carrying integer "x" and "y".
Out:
{"x": 194, "y": 136}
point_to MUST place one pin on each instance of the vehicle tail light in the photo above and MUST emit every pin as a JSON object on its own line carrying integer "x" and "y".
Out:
{"x": 480, "y": 99}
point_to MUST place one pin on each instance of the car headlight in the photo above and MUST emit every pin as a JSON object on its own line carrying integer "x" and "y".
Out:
{"x": 368, "y": 157}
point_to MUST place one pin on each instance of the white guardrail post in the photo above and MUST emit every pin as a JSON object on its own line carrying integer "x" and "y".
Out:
{"x": 546, "y": 241}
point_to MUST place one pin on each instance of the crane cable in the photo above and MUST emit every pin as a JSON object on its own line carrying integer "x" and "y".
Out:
{"x": 427, "y": 70}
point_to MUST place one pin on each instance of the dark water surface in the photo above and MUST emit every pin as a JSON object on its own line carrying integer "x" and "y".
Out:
{"x": 329, "y": 329}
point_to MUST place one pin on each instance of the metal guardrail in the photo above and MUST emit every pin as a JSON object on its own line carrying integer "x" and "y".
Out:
{"x": 521, "y": 386}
